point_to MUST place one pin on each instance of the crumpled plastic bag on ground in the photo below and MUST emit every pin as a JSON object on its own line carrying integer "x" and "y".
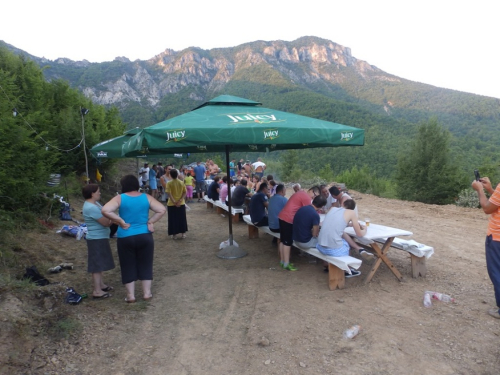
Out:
{"x": 77, "y": 231}
{"x": 225, "y": 244}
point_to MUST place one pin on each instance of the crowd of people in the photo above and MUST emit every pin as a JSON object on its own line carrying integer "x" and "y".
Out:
{"x": 297, "y": 218}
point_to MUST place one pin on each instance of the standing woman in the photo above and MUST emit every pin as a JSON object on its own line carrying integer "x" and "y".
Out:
{"x": 153, "y": 185}
{"x": 176, "y": 207}
{"x": 190, "y": 184}
{"x": 100, "y": 258}
{"x": 135, "y": 235}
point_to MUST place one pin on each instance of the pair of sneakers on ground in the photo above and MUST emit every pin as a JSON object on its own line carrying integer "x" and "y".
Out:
{"x": 289, "y": 267}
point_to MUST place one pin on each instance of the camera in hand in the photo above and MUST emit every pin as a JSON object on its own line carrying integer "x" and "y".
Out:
{"x": 476, "y": 173}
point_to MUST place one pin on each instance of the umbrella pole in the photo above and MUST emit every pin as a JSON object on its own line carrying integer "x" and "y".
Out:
{"x": 231, "y": 251}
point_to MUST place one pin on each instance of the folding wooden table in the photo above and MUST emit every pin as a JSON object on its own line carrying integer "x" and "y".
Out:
{"x": 376, "y": 232}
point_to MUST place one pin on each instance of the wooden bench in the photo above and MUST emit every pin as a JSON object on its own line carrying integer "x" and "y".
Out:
{"x": 235, "y": 212}
{"x": 223, "y": 208}
{"x": 337, "y": 266}
{"x": 419, "y": 253}
{"x": 210, "y": 202}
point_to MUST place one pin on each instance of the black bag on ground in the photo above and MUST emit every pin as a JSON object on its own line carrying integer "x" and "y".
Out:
{"x": 72, "y": 297}
{"x": 34, "y": 276}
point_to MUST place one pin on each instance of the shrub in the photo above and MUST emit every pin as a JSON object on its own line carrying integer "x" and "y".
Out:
{"x": 467, "y": 198}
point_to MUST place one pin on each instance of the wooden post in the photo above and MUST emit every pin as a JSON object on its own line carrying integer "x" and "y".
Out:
{"x": 418, "y": 266}
{"x": 253, "y": 232}
{"x": 336, "y": 277}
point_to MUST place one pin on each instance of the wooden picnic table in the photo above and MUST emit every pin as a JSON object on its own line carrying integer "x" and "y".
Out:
{"x": 374, "y": 234}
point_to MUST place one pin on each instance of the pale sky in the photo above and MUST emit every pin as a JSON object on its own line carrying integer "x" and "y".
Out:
{"x": 450, "y": 44}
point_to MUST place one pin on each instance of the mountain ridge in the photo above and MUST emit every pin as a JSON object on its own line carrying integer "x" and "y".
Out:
{"x": 310, "y": 76}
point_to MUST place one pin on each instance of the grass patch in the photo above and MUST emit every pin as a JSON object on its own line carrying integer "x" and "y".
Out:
{"x": 65, "y": 327}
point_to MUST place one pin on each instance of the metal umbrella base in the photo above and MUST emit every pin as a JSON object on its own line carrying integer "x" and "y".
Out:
{"x": 231, "y": 252}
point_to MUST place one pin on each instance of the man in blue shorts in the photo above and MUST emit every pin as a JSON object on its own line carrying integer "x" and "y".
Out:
{"x": 199, "y": 175}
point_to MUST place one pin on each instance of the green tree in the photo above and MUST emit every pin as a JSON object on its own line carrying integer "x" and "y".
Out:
{"x": 289, "y": 166}
{"x": 425, "y": 173}
{"x": 46, "y": 135}
{"x": 326, "y": 173}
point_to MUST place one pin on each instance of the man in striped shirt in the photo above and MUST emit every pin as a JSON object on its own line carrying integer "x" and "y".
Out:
{"x": 492, "y": 244}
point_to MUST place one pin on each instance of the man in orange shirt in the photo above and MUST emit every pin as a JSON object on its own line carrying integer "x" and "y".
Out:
{"x": 492, "y": 244}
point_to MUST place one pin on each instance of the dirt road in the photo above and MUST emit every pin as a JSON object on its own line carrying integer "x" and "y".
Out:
{"x": 247, "y": 316}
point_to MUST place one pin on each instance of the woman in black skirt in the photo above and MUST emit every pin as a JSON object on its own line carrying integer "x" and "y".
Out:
{"x": 100, "y": 258}
{"x": 176, "y": 207}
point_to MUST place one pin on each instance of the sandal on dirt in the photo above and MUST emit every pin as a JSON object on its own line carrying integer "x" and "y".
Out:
{"x": 148, "y": 298}
{"x": 129, "y": 300}
{"x": 183, "y": 236}
{"x": 108, "y": 289}
{"x": 104, "y": 296}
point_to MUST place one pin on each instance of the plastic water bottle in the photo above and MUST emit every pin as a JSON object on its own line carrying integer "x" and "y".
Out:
{"x": 352, "y": 332}
{"x": 441, "y": 297}
{"x": 427, "y": 299}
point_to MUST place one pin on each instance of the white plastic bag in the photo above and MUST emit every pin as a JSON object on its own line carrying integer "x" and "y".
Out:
{"x": 225, "y": 244}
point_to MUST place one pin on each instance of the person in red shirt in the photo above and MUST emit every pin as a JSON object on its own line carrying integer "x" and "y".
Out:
{"x": 296, "y": 201}
{"x": 492, "y": 244}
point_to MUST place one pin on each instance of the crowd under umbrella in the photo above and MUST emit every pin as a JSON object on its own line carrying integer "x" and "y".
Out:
{"x": 229, "y": 123}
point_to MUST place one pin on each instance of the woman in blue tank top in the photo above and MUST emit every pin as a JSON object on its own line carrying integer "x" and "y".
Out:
{"x": 135, "y": 234}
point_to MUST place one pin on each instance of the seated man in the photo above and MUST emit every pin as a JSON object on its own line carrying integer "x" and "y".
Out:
{"x": 258, "y": 205}
{"x": 330, "y": 200}
{"x": 332, "y": 239}
{"x": 213, "y": 189}
{"x": 239, "y": 194}
{"x": 276, "y": 204}
{"x": 340, "y": 197}
{"x": 306, "y": 224}
{"x": 223, "y": 190}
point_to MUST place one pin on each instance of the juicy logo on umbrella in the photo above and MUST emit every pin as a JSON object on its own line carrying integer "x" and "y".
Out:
{"x": 261, "y": 119}
{"x": 271, "y": 134}
{"x": 175, "y": 135}
{"x": 346, "y": 136}
{"x": 102, "y": 154}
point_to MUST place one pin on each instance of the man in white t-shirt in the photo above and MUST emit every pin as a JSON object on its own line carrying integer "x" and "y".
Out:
{"x": 258, "y": 168}
{"x": 144, "y": 174}
{"x": 330, "y": 200}
{"x": 341, "y": 197}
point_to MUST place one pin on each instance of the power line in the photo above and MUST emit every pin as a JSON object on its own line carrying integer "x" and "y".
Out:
{"x": 47, "y": 144}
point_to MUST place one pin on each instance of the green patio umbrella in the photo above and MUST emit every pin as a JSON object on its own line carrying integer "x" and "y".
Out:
{"x": 112, "y": 148}
{"x": 228, "y": 123}
{"x": 242, "y": 124}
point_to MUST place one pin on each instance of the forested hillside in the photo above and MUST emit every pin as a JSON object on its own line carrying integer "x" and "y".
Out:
{"x": 41, "y": 132}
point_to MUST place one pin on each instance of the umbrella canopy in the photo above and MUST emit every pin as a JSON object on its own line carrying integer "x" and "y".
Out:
{"x": 244, "y": 125}
{"x": 112, "y": 148}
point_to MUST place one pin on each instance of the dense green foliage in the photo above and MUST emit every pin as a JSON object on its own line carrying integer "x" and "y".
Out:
{"x": 46, "y": 135}
{"x": 426, "y": 173}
